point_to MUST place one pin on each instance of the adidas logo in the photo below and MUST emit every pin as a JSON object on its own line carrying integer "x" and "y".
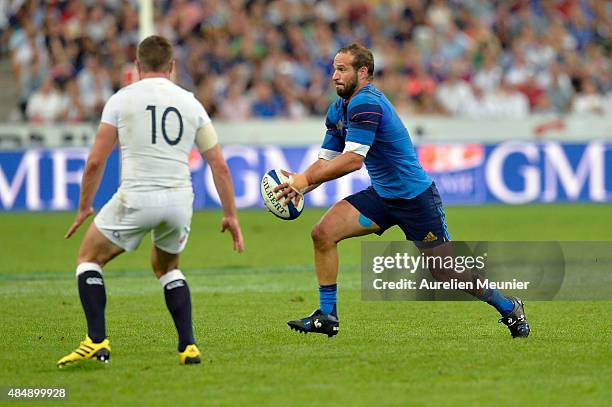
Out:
{"x": 94, "y": 281}
{"x": 175, "y": 284}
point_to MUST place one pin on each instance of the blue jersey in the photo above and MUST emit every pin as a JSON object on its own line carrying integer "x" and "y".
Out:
{"x": 367, "y": 124}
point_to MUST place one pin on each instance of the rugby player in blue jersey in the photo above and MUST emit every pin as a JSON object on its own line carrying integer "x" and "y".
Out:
{"x": 363, "y": 128}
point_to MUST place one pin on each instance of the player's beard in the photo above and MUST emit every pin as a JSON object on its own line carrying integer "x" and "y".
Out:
{"x": 349, "y": 88}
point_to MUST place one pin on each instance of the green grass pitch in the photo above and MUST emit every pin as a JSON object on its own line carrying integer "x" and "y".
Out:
{"x": 387, "y": 353}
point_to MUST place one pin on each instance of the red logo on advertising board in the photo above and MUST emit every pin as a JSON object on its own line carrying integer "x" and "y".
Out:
{"x": 450, "y": 157}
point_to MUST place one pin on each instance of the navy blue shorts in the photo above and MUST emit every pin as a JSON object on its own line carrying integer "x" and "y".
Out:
{"x": 421, "y": 218}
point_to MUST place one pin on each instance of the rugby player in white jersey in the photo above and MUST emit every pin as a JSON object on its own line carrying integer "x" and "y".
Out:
{"x": 156, "y": 124}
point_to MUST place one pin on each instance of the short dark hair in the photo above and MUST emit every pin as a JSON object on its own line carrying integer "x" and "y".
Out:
{"x": 362, "y": 57}
{"x": 154, "y": 54}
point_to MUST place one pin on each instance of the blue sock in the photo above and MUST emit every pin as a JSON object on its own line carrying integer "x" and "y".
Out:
{"x": 327, "y": 299}
{"x": 495, "y": 298}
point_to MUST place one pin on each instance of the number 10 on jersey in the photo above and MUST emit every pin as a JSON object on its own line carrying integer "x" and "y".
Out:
{"x": 171, "y": 109}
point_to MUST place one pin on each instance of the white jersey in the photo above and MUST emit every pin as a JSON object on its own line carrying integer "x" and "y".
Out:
{"x": 157, "y": 123}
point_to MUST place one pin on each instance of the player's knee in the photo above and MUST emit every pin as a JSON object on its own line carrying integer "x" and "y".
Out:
{"x": 322, "y": 235}
{"x": 438, "y": 274}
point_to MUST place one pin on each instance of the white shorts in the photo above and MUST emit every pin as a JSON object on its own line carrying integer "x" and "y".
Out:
{"x": 128, "y": 216}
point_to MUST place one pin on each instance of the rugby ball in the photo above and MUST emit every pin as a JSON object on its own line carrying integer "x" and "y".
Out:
{"x": 271, "y": 180}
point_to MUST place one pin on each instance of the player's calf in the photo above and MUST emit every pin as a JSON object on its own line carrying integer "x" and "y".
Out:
{"x": 93, "y": 299}
{"x": 178, "y": 301}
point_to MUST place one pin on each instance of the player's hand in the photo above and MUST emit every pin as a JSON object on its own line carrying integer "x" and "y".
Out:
{"x": 78, "y": 221}
{"x": 293, "y": 189}
{"x": 231, "y": 223}
{"x": 290, "y": 195}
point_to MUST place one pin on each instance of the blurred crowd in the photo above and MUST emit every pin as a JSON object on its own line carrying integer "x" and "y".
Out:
{"x": 273, "y": 58}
